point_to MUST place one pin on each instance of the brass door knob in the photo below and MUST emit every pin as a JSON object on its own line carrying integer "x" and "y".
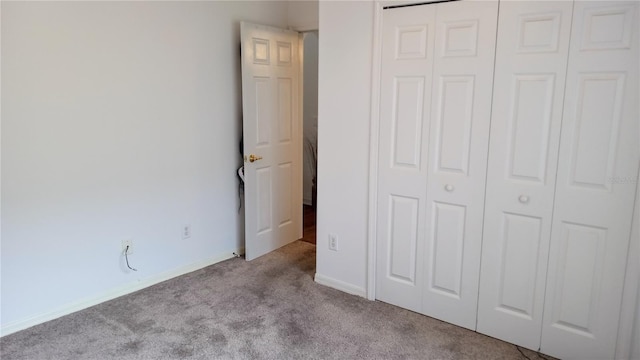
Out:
{"x": 253, "y": 158}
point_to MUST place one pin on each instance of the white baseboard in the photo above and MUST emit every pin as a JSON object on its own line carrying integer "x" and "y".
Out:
{"x": 340, "y": 285}
{"x": 111, "y": 294}
{"x": 307, "y": 202}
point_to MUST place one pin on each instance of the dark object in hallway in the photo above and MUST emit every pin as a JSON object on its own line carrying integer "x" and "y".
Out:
{"x": 309, "y": 224}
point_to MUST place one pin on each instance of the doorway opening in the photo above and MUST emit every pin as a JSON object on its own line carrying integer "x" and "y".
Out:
{"x": 310, "y": 135}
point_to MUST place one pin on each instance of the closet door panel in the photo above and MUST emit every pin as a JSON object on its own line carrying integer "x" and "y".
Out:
{"x": 407, "y": 62}
{"x": 597, "y": 177}
{"x": 531, "y": 61}
{"x": 461, "y": 107}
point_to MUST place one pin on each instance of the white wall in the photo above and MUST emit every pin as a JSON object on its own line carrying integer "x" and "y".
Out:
{"x": 119, "y": 120}
{"x": 345, "y": 53}
{"x": 310, "y": 109}
{"x": 303, "y": 15}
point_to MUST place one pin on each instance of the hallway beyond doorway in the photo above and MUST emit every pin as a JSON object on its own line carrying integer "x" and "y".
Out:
{"x": 309, "y": 224}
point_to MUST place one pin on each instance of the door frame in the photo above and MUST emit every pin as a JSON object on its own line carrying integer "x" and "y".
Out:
{"x": 630, "y": 298}
{"x": 300, "y": 134}
{"x": 374, "y": 145}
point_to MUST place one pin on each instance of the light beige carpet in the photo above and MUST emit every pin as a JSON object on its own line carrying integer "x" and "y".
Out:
{"x": 269, "y": 308}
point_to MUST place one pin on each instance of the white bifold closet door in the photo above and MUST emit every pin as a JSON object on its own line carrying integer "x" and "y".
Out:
{"x": 436, "y": 83}
{"x": 460, "y": 118}
{"x": 556, "y": 237}
{"x": 405, "y": 110}
{"x": 531, "y": 63}
{"x": 596, "y": 183}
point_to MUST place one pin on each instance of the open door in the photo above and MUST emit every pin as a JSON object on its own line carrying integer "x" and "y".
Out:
{"x": 272, "y": 138}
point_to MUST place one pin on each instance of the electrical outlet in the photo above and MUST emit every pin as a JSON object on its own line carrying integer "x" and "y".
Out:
{"x": 186, "y": 231}
{"x": 129, "y": 243}
{"x": 333, "y": 242}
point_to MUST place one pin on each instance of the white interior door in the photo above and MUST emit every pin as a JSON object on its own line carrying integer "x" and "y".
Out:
{"x": 272, "y": 138}
{"x": 407, "y": 62}
{"x": 460, "y": 116}
{"x": 596, "y": 183}
{"x": 436, "y": 80}
{"x": 531, "y": 62}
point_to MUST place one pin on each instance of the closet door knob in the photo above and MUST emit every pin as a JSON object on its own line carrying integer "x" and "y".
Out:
{"x": 523, "y": 199}
{"x": 448, "y": 187}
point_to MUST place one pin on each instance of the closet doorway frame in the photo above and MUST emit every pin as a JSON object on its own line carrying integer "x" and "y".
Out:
{"x": 631, "y": 290}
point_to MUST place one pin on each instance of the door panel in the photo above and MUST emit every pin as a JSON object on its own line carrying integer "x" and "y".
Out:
{"x": 271, "y": 127}
{"x": 263, "y": 114}
{"x": 455, "y": 103}
{"x": 285, "y": 108}
{"x": 263, "y": 189}
{"x": 285, "y": 212}
{"x": 403, "y": 220}
{"x": 598, "y": 165}
{"x": 593, "y": 152}
{"x": 448, "y": 232}
{"x": 528, "y": 139}
{"x": 519, "y": 260}
{"x": 579, "y": 277}
{"x": 531, "y": 61}
{"x": 461, "y": 98}
{"x": 407, "y": 122}
{"x": 407, "y": 48}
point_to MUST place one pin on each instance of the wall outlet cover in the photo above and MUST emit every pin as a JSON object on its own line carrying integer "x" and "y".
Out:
{"x": 333, "y": 242}
{"x": 186, "y": 231}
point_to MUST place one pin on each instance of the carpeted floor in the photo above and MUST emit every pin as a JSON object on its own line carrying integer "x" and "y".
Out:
{"x": 269, "y": 308}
